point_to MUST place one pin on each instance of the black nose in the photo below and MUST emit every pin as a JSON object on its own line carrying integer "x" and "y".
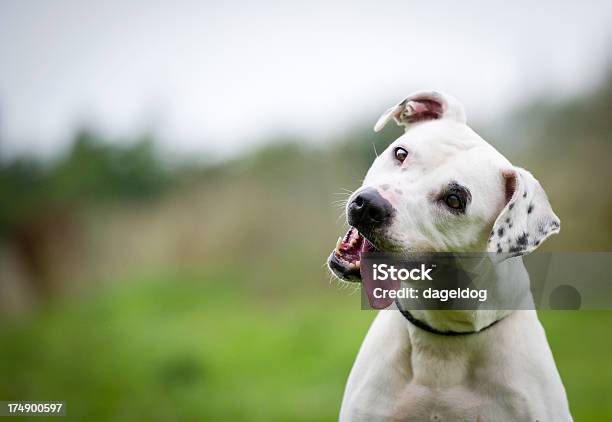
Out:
{"x": 369, "y": 210}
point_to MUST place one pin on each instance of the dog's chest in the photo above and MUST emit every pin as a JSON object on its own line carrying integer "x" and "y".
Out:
{"x": 427, "y": 404}
{"x": 450, "y": 388}
{"x": 437, "y": 383}
{"x": 459, "y": 403}
{"x": 421, "y": 403}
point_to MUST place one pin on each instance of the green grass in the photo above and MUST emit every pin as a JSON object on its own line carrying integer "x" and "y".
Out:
{"x": 190, "y": 348}
{"x": 581, "y": 344}
{"x": 186, "y": 350}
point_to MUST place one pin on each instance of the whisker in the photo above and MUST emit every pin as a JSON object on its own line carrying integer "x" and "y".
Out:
{"x": 356, "y": 289}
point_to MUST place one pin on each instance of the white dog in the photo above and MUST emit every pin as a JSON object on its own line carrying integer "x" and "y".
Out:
{"x": 441, "y": 187}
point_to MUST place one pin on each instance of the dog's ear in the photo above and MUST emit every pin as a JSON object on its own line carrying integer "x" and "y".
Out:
{"x": 527, "y": 218}
{"x": 422, "y": 106}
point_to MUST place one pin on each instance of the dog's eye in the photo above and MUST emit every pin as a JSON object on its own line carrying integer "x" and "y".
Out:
{"x": 455, "y": 197}
{"x": 453, "y": 201}
{"x": 400, "y": 154}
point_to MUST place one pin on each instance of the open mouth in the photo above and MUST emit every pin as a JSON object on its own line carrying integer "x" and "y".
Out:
{"x": 345, "y": 260}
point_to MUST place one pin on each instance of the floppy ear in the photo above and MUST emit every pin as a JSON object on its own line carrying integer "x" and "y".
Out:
{"x": 422, "y": 106}
{"x": 526, "y": 220}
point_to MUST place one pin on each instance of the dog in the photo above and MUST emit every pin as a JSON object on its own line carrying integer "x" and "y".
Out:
{"x": 440, "y": 187}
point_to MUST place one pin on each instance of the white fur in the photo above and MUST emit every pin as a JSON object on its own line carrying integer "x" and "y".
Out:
{"x": 504, "y": 373}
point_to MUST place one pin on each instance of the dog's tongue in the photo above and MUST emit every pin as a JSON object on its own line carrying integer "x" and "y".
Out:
{"x": 366, "y": 246}
{"x": 368, "y": 282}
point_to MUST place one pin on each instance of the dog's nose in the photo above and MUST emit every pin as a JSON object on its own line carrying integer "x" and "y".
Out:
{"x": 368, "y": 210}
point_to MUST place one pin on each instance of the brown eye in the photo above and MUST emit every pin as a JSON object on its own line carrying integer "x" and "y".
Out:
{"x": 400, "y": 154}
{"x": 453, "y": 201}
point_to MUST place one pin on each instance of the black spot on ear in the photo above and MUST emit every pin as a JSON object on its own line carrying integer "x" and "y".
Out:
{"x": 529, "y": 208}
{"x": 522, "y": 239}
{"x": 500, "y": 231}
{"x": 385, "y": 186}
{"x": 511, "y": 205}
{"x": 516, "y": 248}
{"x": 507, "y": 220}
{"x": 525, "y": 194}
{"x": 398, "y": 191}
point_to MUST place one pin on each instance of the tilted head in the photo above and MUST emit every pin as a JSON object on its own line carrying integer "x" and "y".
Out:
{"x": 441, "y": 188}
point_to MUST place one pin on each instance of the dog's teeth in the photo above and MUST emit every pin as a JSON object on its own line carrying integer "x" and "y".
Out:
{"x": 358, "y": 264}
{"x": 338, "y": 243}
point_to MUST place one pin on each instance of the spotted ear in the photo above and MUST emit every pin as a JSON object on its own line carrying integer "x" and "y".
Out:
{"x": 526, "y": 220}
{"x": 422, "y": 106}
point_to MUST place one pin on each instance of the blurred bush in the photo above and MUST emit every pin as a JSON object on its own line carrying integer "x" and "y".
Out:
{"x": 92, "y": 171}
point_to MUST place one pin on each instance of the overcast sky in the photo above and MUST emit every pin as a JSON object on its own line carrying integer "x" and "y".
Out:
{"x": 213, "y": 76}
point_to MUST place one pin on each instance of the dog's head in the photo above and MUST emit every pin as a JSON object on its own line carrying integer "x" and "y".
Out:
{"x": 441, "y": 188}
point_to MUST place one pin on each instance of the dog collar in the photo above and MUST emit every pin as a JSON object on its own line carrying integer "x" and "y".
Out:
{"x": 425, "y": 326}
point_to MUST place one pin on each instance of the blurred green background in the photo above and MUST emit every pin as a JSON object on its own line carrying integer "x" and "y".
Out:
{"x": 137, "y": 288}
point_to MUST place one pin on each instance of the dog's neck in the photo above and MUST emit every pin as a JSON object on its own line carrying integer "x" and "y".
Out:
{"x": 510, "y": 281}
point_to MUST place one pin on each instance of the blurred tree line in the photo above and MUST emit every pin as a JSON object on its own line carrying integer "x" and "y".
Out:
{"x": 94, "y": 170}
{"x": 91, "y": 171}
